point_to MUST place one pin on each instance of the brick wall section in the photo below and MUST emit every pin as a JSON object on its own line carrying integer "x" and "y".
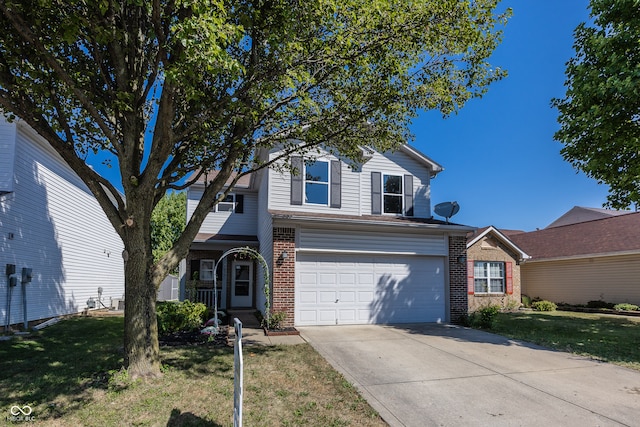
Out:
{"x": 491, "y": 249}
{"x": 458, "y": 303}
{"x": 284, "y": 273}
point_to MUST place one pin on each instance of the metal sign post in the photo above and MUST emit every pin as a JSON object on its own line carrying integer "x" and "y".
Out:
{"x": 237, "y": 374}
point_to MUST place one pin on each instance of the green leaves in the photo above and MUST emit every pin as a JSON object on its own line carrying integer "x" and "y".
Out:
{"x": 600, "y": 112}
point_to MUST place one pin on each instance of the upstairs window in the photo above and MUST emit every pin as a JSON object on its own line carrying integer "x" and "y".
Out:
{"x": 316, "y": 182}
{"x": 392, "y": 194}
{"x": 233, "y": 203}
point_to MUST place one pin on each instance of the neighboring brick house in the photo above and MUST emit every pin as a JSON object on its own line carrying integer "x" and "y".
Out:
{"x": 345, "y": 244}
{"x": 493, "y": 269}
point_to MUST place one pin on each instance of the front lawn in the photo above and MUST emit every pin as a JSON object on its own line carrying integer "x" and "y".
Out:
{"x": 610, "y": 338}
{"x": 69, "y": 374}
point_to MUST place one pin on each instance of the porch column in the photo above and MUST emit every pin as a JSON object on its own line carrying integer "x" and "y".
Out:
{"x": 458, "y": 302}
{"x": 284, "y": 273}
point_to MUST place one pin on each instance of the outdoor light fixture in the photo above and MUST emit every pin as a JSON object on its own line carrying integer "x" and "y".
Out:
{"x": 284, "y": 255}
{"x": 462, "y": 259}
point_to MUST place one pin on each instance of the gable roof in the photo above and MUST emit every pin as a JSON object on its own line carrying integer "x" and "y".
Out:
{"x": 613, "y": 235}
{"x": 476, "y": 236}
{"x": 421, "y": 158}
{"x": 581, "y": 214}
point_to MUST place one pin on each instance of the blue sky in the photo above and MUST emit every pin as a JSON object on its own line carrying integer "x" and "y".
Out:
{"x": 501, "y": 162}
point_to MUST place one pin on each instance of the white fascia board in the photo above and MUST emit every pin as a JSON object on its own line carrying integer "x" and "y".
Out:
{"x": 503, "y": 238}
{"x": 435, "y": 167}
{"x": 584, "y": 256}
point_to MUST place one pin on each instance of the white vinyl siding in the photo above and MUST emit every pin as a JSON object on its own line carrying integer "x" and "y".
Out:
{"x": 59, "y": 231}
{"x": 356, "y": 186}
{"x": 322, "y": 240}
{"x": 227, "y": 222}
{"x": 265, "y": 237}
{"x": 7, "y": 154}
{"x": 612, "y": 279}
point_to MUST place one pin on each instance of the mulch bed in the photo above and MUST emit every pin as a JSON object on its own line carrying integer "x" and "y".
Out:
{"x": 195, "y": 338}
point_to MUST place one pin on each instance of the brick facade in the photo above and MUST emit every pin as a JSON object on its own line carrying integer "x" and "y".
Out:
{"x": 284, "y": 273}
{"x": 458, "y": 303}
{"x": 491, "y": 249}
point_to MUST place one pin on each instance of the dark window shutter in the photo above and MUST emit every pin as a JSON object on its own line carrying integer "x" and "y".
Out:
{"x": 195, "y": 268}
{"x": 239, "y": 203}
{"x": 470, "y": 281}
{"x": 376, "y": 193}
{"x": 336, "y": 184}
{"x": 408, "y": 195}
{"x": 296, "y": 180}
{"x": 508, "y": 266}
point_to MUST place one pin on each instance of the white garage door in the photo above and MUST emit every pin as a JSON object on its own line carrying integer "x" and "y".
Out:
{"x": 360, "y": 289}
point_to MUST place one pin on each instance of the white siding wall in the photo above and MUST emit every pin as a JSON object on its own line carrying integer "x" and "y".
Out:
{"x": 356, "y": 186}
{"x": 226, "y": 222}
{"x": 59, "y": 231}
{"x": 613, "y": 279}
{"x": 265, "y": 237}
{"x": 368, "y": 242}
{"x": 7, "y": 154}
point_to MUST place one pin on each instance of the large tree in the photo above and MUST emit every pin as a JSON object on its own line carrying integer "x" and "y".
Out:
{"x": 600, "y": 113}
{"x": 170, "y": 89}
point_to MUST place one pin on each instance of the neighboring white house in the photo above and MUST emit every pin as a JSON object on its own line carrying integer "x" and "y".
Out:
{"x": 51, "y": 223}
{"x": 344, "y": 244}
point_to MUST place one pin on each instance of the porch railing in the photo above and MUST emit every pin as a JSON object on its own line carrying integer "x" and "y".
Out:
{"x": 203, "y": 295}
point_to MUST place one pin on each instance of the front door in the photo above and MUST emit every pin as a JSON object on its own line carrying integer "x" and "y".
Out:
{"x": 242, "y": 284}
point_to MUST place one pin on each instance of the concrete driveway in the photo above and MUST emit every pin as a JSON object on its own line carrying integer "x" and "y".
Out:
{"x": 439, "y": 375}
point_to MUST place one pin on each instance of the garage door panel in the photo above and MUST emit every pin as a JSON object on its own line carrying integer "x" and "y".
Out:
{"x": 327, "y": 297}
{"x": 308, "y": 297}
{"x": 369, "y": 289}
{"x": 347, "y": 296}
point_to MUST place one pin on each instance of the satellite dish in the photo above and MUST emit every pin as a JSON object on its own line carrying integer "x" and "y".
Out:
{"x": 446, "y": 209}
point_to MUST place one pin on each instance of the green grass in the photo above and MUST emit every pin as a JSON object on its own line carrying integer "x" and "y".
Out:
{"x": 614, "y": 339}
{"x": 69, "y": 373}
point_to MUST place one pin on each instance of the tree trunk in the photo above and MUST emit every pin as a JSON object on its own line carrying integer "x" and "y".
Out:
{"x": 141, "y": 349}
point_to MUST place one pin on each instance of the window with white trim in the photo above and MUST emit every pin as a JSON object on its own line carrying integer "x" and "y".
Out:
{"x": 227, "y": 204}
{"x": 392, "y": 194}
{"x": 488, "y": 277}
{"x": 206, "y": 269}
{"x": 316, "y": 182}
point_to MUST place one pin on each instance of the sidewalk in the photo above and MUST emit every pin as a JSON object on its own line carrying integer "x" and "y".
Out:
{"x": 256, "y": 336}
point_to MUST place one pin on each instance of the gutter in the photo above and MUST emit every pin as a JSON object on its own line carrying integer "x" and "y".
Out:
{"x": 348, "y": 222}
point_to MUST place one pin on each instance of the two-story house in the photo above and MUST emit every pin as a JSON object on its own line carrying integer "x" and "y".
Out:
{"x": 345, "y": 244}
{"x": 52, "y": 226}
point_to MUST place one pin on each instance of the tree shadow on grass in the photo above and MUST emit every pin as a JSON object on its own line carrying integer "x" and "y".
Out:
{"x": 62, "y": 361}
{"x": 183, "y": 419}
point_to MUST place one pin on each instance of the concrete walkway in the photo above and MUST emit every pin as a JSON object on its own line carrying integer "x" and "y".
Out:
{"x": 439, "y": 375}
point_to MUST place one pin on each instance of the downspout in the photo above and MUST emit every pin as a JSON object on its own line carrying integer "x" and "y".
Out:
{"x": 10, "y": 271}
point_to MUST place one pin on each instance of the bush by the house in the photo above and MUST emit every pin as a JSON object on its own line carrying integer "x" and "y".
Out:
{"x": 526, "y": 301}
{"x": 544, "y": 305}
{"x": 626, "y": 307}
{"x": 179, "y": 316}
{"x": 483, "y": 318}
{"x": 600, "y": 304}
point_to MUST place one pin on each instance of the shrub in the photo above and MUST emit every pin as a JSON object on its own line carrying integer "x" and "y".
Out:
{"x": 483, "y": 318}
{"x": 600, "y": 304}
{"x": 179, "y": 316}
{"x": 275, "y": 319}
{"x": 626, "y": 307}
{"x": 544, "y": 305}
{"x": 526, "y": 301}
